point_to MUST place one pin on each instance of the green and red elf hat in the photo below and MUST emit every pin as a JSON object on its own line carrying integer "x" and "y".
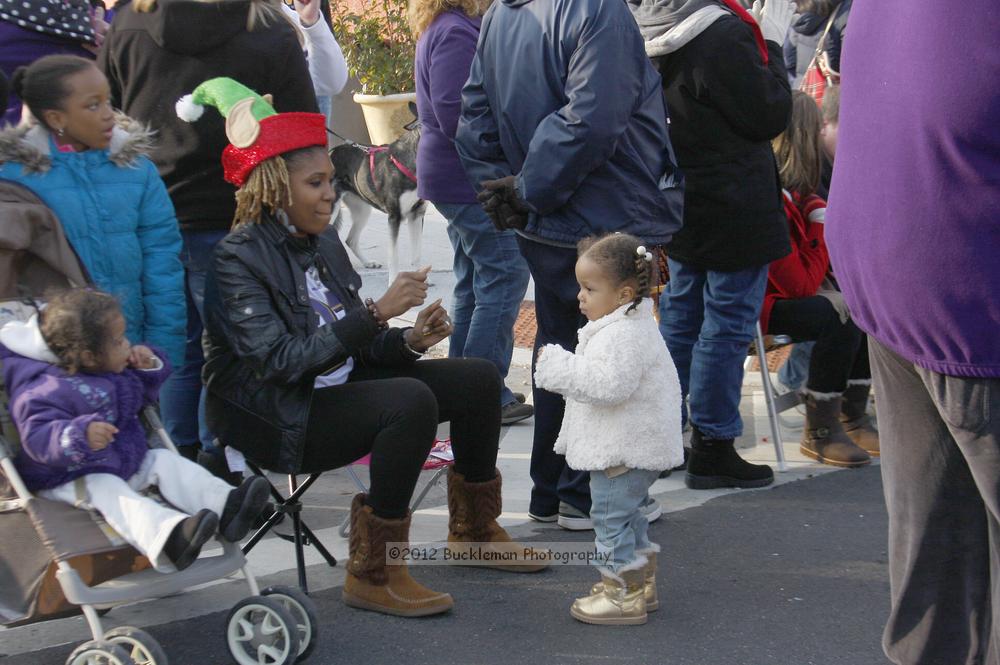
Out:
{"x": 256, "y": 132}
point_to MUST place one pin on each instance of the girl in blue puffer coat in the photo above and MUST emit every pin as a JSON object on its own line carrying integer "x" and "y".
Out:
{"x": 89, "y": 166}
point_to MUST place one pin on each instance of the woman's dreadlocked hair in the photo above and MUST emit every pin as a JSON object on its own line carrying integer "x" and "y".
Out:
{"x": 267, "y": 186}
{"x": 624, "y": 258}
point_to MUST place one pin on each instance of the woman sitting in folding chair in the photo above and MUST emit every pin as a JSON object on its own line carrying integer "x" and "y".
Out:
{"x": 303, "y": 376}
{"x": 802, "y": 301}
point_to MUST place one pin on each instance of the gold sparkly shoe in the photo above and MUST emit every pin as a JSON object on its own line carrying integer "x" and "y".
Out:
{"x": 622, "y": 602}
{"x": 649, "y": 584}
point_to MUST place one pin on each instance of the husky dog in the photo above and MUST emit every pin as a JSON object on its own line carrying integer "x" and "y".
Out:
{"x": 382, "y": 177}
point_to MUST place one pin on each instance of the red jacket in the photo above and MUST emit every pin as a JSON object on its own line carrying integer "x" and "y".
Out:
{"x": 799, "y": 274}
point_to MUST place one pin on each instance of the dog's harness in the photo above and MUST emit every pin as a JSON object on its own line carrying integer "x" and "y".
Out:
{"x": 371, "y": 151}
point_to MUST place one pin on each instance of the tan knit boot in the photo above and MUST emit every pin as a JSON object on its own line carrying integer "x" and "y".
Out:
{"x": 824, "y": 439}
{"x": 621, "y": 602}
{"x": 371, "y": 584}
{"x": 473, "y": 509}
{"x": 855, "y": 419}
{"x": 648, "y": 587}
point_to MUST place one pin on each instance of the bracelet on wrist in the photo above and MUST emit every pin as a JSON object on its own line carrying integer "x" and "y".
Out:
{"x": 375, "y": 314}
{"x": 413, "y": 352}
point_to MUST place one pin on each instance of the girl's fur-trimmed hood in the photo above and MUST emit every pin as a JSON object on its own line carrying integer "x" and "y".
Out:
{"x": 30, "y": 145}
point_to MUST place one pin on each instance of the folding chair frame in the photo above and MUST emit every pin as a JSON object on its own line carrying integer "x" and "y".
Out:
{"x": 775, "y": 403}
{"x": 302, "y": 535}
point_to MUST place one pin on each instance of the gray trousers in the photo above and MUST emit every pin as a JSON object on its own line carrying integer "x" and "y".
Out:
{"x": 940, "y": 440}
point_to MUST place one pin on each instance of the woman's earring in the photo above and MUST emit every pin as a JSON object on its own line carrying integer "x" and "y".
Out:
{"x": 61, "y": 131}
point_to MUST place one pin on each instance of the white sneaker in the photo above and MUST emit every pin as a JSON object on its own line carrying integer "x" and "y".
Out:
{"x": 572, "y": 519}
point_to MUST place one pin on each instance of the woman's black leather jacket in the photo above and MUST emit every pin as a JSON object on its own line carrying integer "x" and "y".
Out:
{"x": 263, "y": 345}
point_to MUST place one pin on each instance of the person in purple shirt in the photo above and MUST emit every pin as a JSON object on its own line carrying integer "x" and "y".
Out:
{"x": 491, "y": 276}
{"x": 913, "y": 228}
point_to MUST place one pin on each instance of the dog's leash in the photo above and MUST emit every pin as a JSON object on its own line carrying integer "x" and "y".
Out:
{"x": 354, "y": 144}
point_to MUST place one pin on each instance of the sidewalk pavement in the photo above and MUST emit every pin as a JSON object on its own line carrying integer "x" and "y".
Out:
{"x": 832, "y": 528}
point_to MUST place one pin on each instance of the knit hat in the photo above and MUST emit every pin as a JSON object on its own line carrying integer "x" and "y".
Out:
{"x": 256, "y": 132}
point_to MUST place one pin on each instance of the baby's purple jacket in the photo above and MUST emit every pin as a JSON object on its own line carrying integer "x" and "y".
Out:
{"x": 52, "y": 410}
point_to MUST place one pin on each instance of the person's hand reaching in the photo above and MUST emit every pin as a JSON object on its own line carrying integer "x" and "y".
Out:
{"x": 409, "y": 289}
{"x": 141, "y": 357}
{"x": 100, "y": 30}
{"x": 432, "y": 325}
{"x": 308, "y": 11}
{"x": 503, "y": 206}
{"x": 774, "y": 17}
{"x": 100, "y": 435}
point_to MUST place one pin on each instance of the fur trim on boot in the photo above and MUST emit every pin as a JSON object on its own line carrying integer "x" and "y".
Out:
{"x": 855, "y": 419}
{"x": 824, "y": 439}
{"x": 649, "y": 580}
{"x": 621, "y": 602}
{"x": 372, "y": 583}
{"x": 473, "y": 532}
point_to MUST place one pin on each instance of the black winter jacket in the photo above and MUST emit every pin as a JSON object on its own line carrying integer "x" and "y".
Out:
{"x": 725, "y": 107}
{"x": 263, "y": 346}
{"x": 153, "y": 59}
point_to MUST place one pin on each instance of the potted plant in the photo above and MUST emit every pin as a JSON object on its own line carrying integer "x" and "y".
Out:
{"x": 379, "y": 49}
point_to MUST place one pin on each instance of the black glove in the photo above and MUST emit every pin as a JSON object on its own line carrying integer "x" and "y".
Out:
{"x": 501, "y": 203}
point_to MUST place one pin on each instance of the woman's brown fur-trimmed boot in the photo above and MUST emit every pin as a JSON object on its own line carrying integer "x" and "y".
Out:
{"x": 621, "y": 601}
{"x": 855, "y": 419}
{"x": 649, "y": 582}
{"x": 371, "y": 583}
{"x": 473, "y": 509}
{"x": 824, "y": 439}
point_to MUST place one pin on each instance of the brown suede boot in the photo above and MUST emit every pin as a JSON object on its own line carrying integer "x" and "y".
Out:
{"x": 473, "y": 509}
{"x": 855, "y": 419}
{"x": 824, "y": 439}
{"x": 371, "y": 584}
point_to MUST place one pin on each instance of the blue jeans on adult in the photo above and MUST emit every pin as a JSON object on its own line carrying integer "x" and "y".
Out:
{"x": 708, "y": 321}
{"x": 557, "y": 313}
{"x": 620, "y": 528}
{"x": 182, "y": 404}
{"x": 491, "y": 278}
{"x": 795, "y": 370}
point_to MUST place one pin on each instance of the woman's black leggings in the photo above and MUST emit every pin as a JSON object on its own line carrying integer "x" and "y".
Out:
{"x": 841, "y": 351}
{"x": 393, "y": 414}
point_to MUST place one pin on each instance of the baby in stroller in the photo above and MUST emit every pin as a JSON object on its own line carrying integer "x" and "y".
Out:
{"x": 76, "y": 389}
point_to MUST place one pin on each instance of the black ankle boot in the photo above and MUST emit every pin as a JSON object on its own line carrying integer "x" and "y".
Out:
{"x": 714, "y": 463}
{"x": 243, "y": 506}
{"x": 185, "y": 541}
{"x": 218, "y": 466}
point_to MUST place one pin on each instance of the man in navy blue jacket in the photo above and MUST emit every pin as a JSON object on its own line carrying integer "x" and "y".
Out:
{"x": 564, "y": 131}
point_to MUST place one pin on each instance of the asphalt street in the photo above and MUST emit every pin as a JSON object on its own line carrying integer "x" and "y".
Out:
{"x": 794, "y": 575}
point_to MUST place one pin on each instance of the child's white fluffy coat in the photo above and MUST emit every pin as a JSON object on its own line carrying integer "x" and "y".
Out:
{"x": 623, "y": 399}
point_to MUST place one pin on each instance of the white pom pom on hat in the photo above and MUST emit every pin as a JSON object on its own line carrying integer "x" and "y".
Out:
{"x": 188, "y": 110}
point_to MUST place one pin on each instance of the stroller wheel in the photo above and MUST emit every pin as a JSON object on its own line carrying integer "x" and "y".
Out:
{"x": 303, "y": 610}
{"x": 99, "y": 653}
{"x": 260, "y": 631}
{"x": 140, "y": 645}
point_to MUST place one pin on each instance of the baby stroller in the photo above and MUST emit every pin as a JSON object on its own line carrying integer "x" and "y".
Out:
{"x": 57, "y": 560}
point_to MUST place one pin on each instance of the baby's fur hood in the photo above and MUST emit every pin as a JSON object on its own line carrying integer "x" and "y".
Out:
{"x": 28, "y": 144}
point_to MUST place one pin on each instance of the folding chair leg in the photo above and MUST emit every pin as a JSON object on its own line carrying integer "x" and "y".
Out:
{"x": 427, "y": 487}
{"x": 772, "y": 412}
{"x": 302, "y": 535}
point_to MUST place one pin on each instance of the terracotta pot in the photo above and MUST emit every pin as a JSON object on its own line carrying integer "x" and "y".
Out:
{"x": 386, "y": 115}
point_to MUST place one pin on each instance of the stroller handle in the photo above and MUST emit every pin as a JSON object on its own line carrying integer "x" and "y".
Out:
{"x": 13, "y": 477}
